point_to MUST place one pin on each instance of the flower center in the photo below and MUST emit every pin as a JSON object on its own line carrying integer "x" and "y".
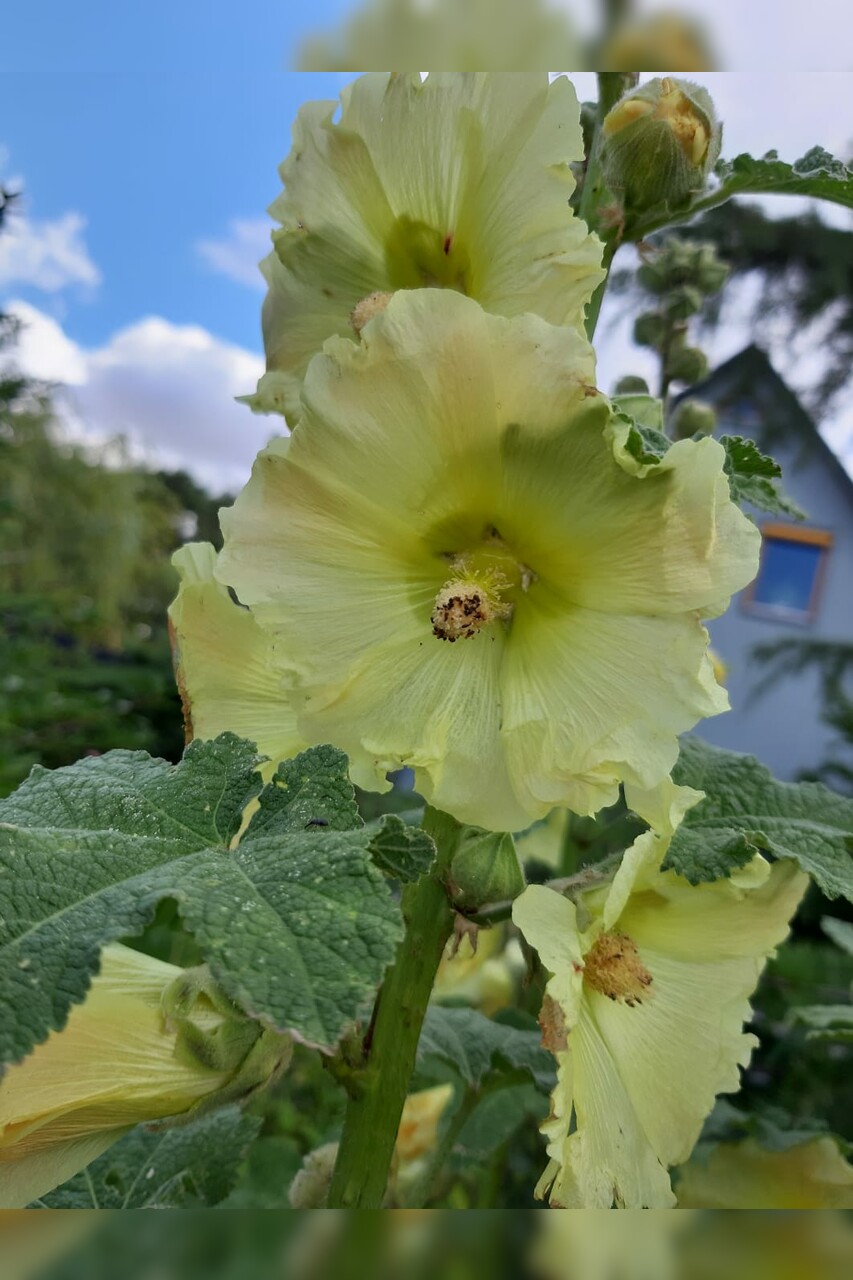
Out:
{"x": 613, "y": 967}
{"x": 482, "y": 589}
{"x": 418, "y": 256}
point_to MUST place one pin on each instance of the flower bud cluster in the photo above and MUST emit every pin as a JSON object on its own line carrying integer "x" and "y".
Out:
{"x": 681, "y": 275}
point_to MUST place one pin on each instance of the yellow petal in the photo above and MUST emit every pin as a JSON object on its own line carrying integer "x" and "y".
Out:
{"x": 743, "y": 1175}
{"x": 227, "y": 668}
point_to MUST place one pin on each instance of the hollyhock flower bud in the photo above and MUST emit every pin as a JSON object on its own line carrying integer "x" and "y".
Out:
{"x": 660, "y": 142}
{"x": 150, "y": 1042}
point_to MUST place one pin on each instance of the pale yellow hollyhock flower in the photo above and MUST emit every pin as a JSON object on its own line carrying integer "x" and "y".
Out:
{"x": 470, "y": 574}
{"x": 120, "y": 1061}
{"x": 645, "y": 1012}
{"x": 461, "y": 181}
{"x": 744, "y": 1175}
{"x": 501, "y": 34}
{"x": 229, "y": 673}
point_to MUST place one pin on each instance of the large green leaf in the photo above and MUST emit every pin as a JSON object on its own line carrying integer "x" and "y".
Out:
{"x": 817, "y": 174}
{"x": 746, "y": 810}
{"x": 479, "y": 1049}
{"x": 296, "y": 923}
{"x": 194, "y": 1166}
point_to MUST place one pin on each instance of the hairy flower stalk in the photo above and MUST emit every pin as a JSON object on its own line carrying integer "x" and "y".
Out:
{"x": 150, "y": 1042}
{"x": 460, "y": 182}
{"x": 465, "y": 570}
{"x": 651, "y": 979}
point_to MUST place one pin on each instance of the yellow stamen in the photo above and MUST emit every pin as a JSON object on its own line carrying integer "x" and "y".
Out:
{"x": 373, "y": 305}
{"x": 613, "y": 967}
{"x": 464, "y": 606}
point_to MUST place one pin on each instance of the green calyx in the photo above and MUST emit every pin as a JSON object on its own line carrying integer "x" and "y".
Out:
{"x": 214, "y": 1032}
{"x": 485, "y": 869}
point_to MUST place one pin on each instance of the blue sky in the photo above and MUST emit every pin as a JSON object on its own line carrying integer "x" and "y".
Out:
{"x": 133, "y": 262}
{"x": 157, "y": 163}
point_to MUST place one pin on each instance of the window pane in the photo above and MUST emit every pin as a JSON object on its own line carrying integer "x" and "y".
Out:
{"x": 787, "y": 575}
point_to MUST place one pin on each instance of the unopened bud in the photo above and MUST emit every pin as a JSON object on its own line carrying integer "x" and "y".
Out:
{"x": 683, "y": 302}
{"x": 649, "y": 329}
{"x": 711, "y": 271}
{"x": 687, "y": 364}
{"x": 661, "y": 141}
{"x": 665, "y": 40}
{"x": 485, "y": 869}
{"x": 693, "y": 418}
{"x": 631, "y": 385}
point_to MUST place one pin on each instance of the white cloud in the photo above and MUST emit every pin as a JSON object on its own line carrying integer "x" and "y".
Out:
{"x": 237, "y": 254}
{"x": 49, "y": 255}
{"x": 169, "y": 389}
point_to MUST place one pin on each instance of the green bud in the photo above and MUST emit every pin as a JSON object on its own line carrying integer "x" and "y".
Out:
{"x": 649, "y": 329}
{"x": 660, "y": 142}
{"x": 631, "y": 385}
{"x": 485, "y": 868}
{"x": 687, "y": 364}
{"x": 693, "y": 418}
{"x": 711, "y": 272}
{"x": 653, "y": 275}
{"x": 683, "y": 302}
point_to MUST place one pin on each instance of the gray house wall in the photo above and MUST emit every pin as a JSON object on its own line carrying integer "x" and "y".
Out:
{"x": 783, "y": 726}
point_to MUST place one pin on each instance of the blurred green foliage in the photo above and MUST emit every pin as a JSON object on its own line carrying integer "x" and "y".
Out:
{"x": 85, "y": 579}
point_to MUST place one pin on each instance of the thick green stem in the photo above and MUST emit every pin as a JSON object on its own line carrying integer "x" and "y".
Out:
{"x": 373, "y": 1113}
{"x": 611, "y": 86}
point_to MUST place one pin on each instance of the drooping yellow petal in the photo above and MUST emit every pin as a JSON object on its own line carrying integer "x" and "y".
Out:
{"x": 228, "y": 670}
